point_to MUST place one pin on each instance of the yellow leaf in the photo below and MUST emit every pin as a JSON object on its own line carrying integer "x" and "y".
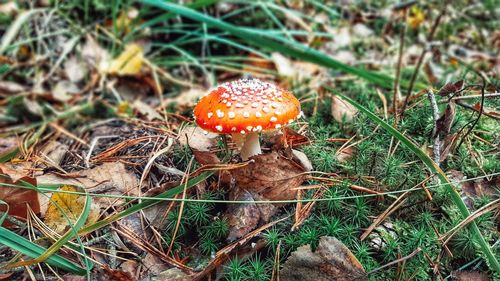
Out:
{"x": 416, "y": 17}
{"x": 65, "y": 209}
{"x": 129, "y": 62}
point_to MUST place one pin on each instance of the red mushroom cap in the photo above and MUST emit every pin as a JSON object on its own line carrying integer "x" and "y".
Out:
{"x": 246, "y": 105}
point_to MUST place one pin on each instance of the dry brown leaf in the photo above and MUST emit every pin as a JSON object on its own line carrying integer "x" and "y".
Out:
{"x": 332, "y": 260}
{"x": 173, "y": 274}
{"x": 271, "y": 176}
{"x": 342, "y": 111}
{"x": 18, "y": 199}
{"x": 470, "y": 276}
{"x": 201, "y": 144}
{"x": 146, "y": 110}
{"x": 110, "y": 178}
{"x": 301, "y": 158}
{"x": 64, "y": 90}
{"x": 8, "y": 87}
{"x": 444, "y": 123}
{"x": 451, "y": 88}
{"x": 54, "y": 152}
{"x": 64, "y": 209}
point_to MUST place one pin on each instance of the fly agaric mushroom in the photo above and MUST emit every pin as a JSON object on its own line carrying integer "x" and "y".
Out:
{"x": 245, "y": 107}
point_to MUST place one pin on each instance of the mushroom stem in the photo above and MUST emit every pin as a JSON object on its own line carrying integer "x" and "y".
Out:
{"x": 248, "y": 144}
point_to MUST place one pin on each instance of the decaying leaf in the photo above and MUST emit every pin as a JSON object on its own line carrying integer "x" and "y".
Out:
{"x": 451, "y": 88}
{"x": 173, "y": 274}
{"x": 470, "y": 276}
{"x": 443, "y": 124}
{"x": 146, "y": 110}
{"x": 75, "y": 69}
{"x": 129, "y": 62}
{"x": 270, "y": 175}
{"x": 109, "y": 178}
{"x": 9, "y": 87}
{"x": 332, "y": 260}
{"x": 201, "y": 144}
{"x": 64, "y": 209}
{"x": 18, "y": 199}
{"x": 342, "y": 111}
{"x": 187, "y": 98}
{"x": 64, "y": 90}
{"x": 243, "y": 218}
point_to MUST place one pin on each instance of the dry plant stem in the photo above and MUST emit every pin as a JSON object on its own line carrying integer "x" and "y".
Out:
{"x": 248, "y": 143}
{"x": 414, "y": 253}
{"x": 435, "y": 116}
{"x": 397, "y": 92}
{"x": 422, "y": 55}
{"x": 181, "y": 208}
{"x": 475, "y": 109}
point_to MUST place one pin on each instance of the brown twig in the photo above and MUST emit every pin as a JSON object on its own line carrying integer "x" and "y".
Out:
{"x": 414, "y": 253}
{"x": 397, "y": 92}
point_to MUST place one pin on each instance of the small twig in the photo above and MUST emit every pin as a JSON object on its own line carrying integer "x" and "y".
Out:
{"x": 421, "y": 58}
{"x": 397, "y": 92}
{"x": 435, "y": 116}
{"x": 462, "y": 104}
{"x": 414, "y": 253}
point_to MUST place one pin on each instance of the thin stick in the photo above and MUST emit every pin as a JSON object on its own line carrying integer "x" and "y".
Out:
{"x": 397, "y": 92}
{"x": 414, "y": 253}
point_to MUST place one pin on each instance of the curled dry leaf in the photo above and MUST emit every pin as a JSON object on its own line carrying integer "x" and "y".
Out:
{"x": 201, "y": 143}
{"x": 271, "y": 175}
{"x": 18, "y": 199}
{"x": 451, "y": 88}
{"x": 332, "y": 260}
{"x": 64, "y": 209}
{"x": 243, "y": 218}
{"x": 443, "y": 124}
{"x": 342, "y": 111}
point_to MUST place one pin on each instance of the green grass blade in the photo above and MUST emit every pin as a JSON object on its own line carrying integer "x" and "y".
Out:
{"x": 23, "y": 245}
{"x": 277, "y": 44}
{"x": 431, "y": 165}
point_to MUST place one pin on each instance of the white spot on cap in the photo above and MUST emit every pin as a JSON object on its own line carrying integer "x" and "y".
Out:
{"x": 277, "y": 112}
{"x": 258, "y": 128}
{"x": 239, "y": 105}
{"x": 249, "y": 128}
{"x": 246, "y": 114}
{"x": 265, "y": 109}
{"x": 278, "y": 126}
{"x": 231, "y": 115}
{"x": 242, "y": 132}
{"x": 274, "y": 119}
{"x": 229, "y": 104}
{"x": 255, "y": 104}
{"x": 280, "y": 98}
{"x": 224, "y": 101}
{"x": 205, "y": 132}
{"x": 210, "y": 114}
{"x": 220, "y": 114}
{"x": 233, "y": 129}
{"x": 258, "y": 114}
{"x": 274, "y": 105}
{"x": 219, "y": 128}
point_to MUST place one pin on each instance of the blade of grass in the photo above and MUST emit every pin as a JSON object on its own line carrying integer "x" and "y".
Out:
{"x": 455, "y": 196}
{"x": 276, "y": 43}
{"x": 23, "y": 245}
{"x": 65, "y": 238}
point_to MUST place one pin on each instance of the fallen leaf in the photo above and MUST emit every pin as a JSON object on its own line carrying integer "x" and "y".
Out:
{"x": 342, "y": 111}
{"x": 332, "y": 260}
{"x": 187, "y": 98}
{"x": 301, "y": 157}
{"x": 64, "y": 209}
{"x": 470, "y": 276}
{"x": 94, "y": 54}
{"x": 444, "y": 123}
{"x": 64, "y": 90}
{"x": 110, "y": 178}
{"x": 8, "y": 87}
{"x": 18, "y": 199}
{"x": 477, "y": 107}
{"x": 146, "y": 110}
{"x": 270, "y": 175}
{"x": 173, "y": 274}
{"x": 201, "y": 144}
{"x": 451, "y": 88}
{"x": 129, "y": 62}
{"x": 243, "y": 218}
{"x": 75, "y": 69}
{"x": 115, "y": 274}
